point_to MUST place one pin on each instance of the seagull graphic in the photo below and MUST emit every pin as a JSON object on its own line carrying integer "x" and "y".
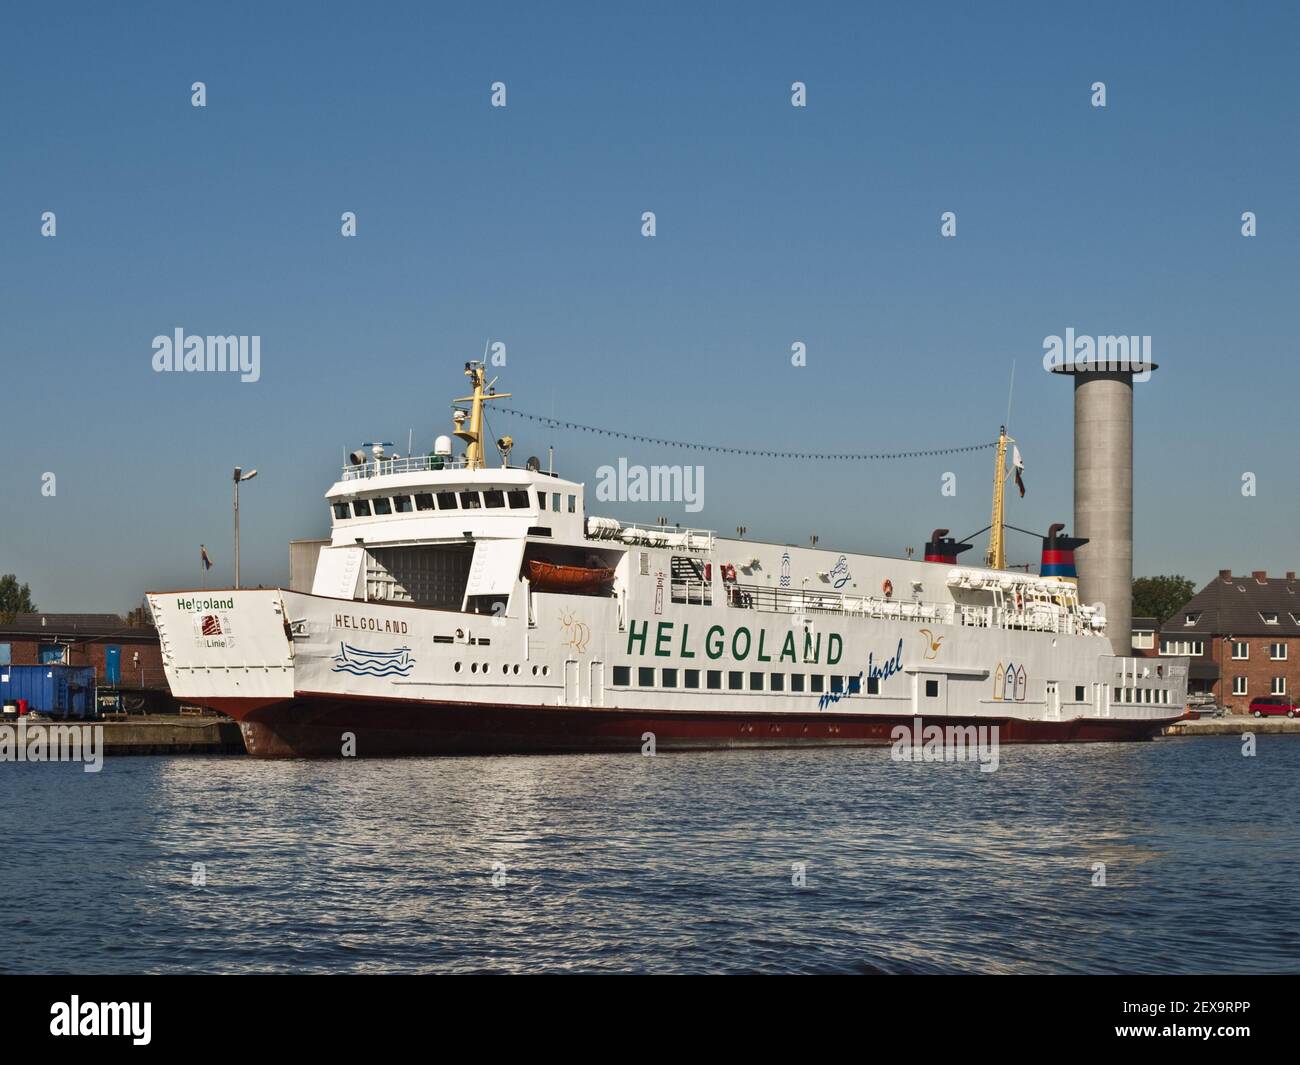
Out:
{"x": 933, "y": 649}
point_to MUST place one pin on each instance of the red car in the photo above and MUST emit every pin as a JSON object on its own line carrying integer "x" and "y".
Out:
{"x": 1273, "y": 706}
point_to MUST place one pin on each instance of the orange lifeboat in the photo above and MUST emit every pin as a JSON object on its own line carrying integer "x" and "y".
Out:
{"x": 573, "y": 580}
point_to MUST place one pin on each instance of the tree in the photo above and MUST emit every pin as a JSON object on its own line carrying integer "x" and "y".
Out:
{"x": 140, "y": 617}
{"x": 1159, "y": 597}
{"x": 15, "y": 599}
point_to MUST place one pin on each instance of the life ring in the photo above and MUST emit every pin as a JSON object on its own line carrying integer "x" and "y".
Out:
{"x": 728, "y": 572}
{"x": 887, "y": 588}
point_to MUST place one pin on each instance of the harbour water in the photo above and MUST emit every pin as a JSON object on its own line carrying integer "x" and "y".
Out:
{"x": 674, "y": 863}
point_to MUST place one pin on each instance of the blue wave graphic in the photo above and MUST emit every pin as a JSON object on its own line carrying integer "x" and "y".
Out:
{"x": 360, "y": 662}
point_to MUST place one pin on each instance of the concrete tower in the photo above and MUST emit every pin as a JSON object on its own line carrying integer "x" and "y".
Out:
{"x": 1103, "y": 492}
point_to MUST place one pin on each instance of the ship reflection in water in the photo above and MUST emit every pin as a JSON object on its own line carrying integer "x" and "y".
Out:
{"x": 672, "y": 863}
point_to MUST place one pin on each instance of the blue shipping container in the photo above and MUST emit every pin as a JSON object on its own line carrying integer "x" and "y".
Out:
{"x": 59, "y": 691}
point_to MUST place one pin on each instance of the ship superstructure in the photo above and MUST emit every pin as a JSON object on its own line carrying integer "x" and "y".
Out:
{"x": 463, "y": 607}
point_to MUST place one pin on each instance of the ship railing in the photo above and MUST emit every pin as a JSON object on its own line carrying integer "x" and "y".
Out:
{"x": 803, "y": 601}
{"x": 395, "y": 464}
{"x": 661, "y": 536}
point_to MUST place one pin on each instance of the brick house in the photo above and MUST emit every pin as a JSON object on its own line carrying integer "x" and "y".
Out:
{"x": 1243, "y": 635}
{"x": 124, "y": 657}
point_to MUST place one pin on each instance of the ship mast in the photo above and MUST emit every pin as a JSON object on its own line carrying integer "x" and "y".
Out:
{"x": 473, "y": 436}
{"x": 995, "y": 557}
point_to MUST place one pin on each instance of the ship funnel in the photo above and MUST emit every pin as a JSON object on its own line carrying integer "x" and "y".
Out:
{"x": 943, "y": 548}
{"x": 1058, "y": 554}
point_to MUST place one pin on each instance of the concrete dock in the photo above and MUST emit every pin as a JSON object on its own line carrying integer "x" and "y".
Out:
{"x": 1234, "y": 725}
{"x": 160, "y": 733}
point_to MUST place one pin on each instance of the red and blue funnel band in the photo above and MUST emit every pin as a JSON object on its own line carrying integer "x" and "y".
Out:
{"x": 1057, "y": 564}
{"x": 951, "y": 560}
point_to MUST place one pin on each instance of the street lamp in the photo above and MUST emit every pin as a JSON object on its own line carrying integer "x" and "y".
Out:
{"x": 240, "y": 475}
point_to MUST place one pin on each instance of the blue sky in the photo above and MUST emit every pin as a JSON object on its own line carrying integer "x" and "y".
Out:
{"x": 522, "y": 224}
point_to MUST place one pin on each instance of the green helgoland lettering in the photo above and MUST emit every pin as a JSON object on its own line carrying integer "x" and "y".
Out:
{"x": 815, "y": 649}
{"x": 685, "y": 653}
{"x": 633, "y": 636}
{"x": 664, "y": 639}
{"x": 788, "y": 647}
{"x": 834, "y": 648}
{"x": 710, "y": 648}
{"x": 736, "y": 652}
{"x": 762, "y": 637}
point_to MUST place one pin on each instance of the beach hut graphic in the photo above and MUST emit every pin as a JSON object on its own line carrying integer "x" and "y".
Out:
{"x": 999, "y": 683}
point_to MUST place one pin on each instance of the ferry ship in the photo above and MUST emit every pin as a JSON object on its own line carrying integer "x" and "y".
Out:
{"x": 467, "y": 607}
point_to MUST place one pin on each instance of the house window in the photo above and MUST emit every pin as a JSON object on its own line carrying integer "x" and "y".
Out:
{"x": 6, "y": 651}
{"x": 1143, "y": 641}
{"x": 1279, "y": 686}
{"x": 1191, "y": 619}
{"x": 1268, "y": 619}
{"x": 1240, "y": 651}
{"x": 1238, "y": 685}
{"x": 645, "y": 676}
{"x": 52, "y": 654}
{"x": 1277, "y": 652}
{"x": 622, "y": 676}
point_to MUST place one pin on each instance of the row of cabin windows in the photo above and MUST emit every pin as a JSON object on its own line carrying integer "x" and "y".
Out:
{"x": 1143, "y": 696}
{"x": 735, "y": 680}
{"x": 489, "y": 499}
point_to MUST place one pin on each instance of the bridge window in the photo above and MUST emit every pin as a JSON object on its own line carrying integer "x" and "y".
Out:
{"x": 555, "y": 502}
{"x": 494, "y": 498}
{"x": 622, "y": 676}
{"x": 446, "y": 500}
{"x": 518, "y": 498}
{"x": 541, "y": 500}
{"x": 383, "y": 505}
{"x": 402, "y": 504}
{"x": 361, "y": 508}
{"x": 470, "y": 501}
{"x": 572, "y": 503}
{"x": 341, "y": 511}
{"x": 424, "y": 500}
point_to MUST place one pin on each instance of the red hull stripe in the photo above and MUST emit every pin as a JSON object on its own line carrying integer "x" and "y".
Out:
{"x": 317, "y": 724}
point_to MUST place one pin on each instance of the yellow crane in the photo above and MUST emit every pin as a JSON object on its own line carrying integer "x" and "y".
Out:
{"x": 995, "y": 557}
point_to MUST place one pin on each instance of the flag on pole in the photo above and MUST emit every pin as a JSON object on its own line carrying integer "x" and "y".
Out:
{"x": 207, "y": 562}
{"x": 1018, "y": 464}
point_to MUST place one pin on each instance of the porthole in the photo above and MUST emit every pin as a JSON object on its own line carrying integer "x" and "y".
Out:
{"x": 546, "y": 671}
{"x": 485, "y": 667}
{"x": 534, "y": 671}
{"x": 516, "y": 671}
{"x": 456, "y": 667}
{"x": 473, "y": 667}
{"x": 505, "y": 668}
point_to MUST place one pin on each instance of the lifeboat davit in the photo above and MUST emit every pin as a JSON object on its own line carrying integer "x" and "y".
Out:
{"x": 574, "y": 580}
